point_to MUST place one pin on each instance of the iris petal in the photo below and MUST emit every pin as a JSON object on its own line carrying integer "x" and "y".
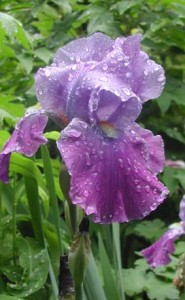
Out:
{"x": 92, "y": 48}
{"x": 134, "y": 68}
{"x": 26, "y": 139}
{"x": 158, "y": 253}
{"x": 182, "y": 209}
{"x": 109, "y": 177}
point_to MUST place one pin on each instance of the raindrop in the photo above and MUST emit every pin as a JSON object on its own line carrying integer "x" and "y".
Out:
{"x": 120, "y": 162}
{"x": 40, "y": 92}
{"x": 86, "y": 193}
{"x": 160, "y": 78}
{"x": 88, "y": 161}
{"x": 135, "y": 169}
{"x": 92, "y": 67}
{"x": 148, "y": 178}
{"x": 74, "y": 67}
{"x": 156, "y": 68}
{"x": 100, "y": 154}
{"x": 154, "y": 191}
{"x": 120, "y": 58}
{"x": 47, "y": 72}
{"x": 126, "y": 91}
{"x": 105, "y": 67}
{"x": 128, "y": 74}
{"x": 136, "y": 181}
{"x": 73, "y": 133}
{"x": 138, "y": 188}
{"x": 154, "y": 206}
{"x": 147, "y": 188}
{"x": 103, "y": 78}
{"x": 70, "y": 78}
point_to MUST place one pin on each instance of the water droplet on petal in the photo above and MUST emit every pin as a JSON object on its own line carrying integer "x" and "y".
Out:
{"x": 126, "y": 91}
{"x": 147, "y": 188}
{"x": 74, "y": 67}
{"x": 70, "y": 78}
{"x": 105, "y": 67}
{"x": 128, "y": 74}
{"x": 40, "y": 92}
{"x": 87, "y": 157}
{"x": 161, "y": 78}
{"x": 120, "y": 162}
{"x": 136, "y": 181}
{"x": 148, "y": 178}
{"x": 86, "y": 193}
{"x": 120, "y": 58}
{"x": 156, "y": 68}
{"x": 47, "y": 72}
{"x": 154, "y": 191}
{"x": 154, "y": 206}
{"x": 103, "y": 78}
{"x": 138, "y": 188}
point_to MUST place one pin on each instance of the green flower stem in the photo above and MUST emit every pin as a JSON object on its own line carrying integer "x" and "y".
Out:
{"x": 78, "y": 292}
{"x": 14, "y": 226}
{"x": 52, "y": 193}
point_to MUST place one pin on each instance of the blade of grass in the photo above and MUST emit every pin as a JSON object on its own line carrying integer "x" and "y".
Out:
{"x": 52, "y": 193}
{"x": 110, "y": 286}
{"x": 36, "y": 216}
{"x": 35, "y": 209}
{"x": 117, "y": 247}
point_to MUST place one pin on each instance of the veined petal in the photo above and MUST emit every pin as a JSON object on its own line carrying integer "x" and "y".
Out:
{"x": 152, "y": 149}
{"x": 158, "y": 253}
{"x": 97, "y": 97}
{"x": 26, "y": 139}
{"x": 108, "y": 177}
{"x": 52, "y": 86}
{"x": 92, "y": 48}
{"x": 134, "y": 68}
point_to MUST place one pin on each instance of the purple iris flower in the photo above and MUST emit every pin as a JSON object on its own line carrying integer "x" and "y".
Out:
{"x": 158, "y": 254}
{"x": 95, "y": 88}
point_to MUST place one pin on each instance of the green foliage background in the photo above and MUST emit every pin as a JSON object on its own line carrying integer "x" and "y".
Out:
{"x": 30, "y": 33}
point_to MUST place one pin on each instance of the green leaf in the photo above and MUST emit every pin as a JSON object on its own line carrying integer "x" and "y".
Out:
{"x": 160, "y": 290}
{"x": 13, "y": 29}
{"x": 7, "y": 297}
{"x": 44, "y": 54}
{"x": 34, "y": 262}
{"x": 150, "y": 230}
{"x": 134, "y": 281}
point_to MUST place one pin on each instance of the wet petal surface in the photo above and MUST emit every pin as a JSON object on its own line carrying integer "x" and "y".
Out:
{"x": 158, "y": 254}
{"x": 26, "y": 139}
{"x": 92, "y": 48}
{"x": 109, "y": 176}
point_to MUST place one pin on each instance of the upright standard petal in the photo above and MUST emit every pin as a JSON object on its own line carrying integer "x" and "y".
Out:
{"x": 92, "y": 48}
{"x": 158, "y": 254}
{"x": 26, "y": 139}
{"x": 109, "y": 178}
{"x": 134, "y": 68}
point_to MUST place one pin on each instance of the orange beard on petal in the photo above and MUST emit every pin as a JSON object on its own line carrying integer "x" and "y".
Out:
{"x": 108, "y": 129}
